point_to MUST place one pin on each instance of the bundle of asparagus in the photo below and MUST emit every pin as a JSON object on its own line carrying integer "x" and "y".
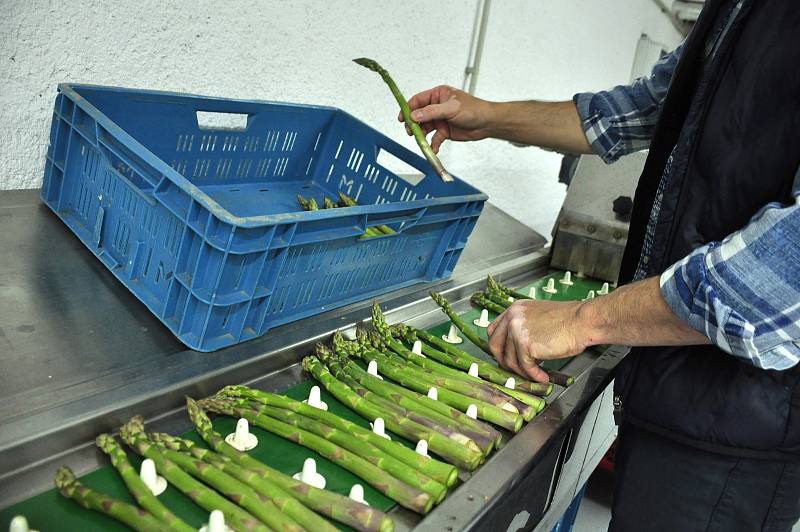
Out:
{"x": 311, "y": 204}
{"x": 487, "y": 300}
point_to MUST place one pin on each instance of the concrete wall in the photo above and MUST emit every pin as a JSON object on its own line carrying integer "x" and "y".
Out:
{"x": 300, "y": 51}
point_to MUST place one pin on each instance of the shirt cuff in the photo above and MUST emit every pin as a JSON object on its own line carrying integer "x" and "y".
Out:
{"x": 597, "y": 127}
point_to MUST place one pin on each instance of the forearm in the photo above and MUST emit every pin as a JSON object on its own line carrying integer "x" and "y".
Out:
{"x": 635, "y": 315}
{"x": 553, "y": 125}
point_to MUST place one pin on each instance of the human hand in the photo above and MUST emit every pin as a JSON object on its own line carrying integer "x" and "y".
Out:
{"x": 452, "y": 113}
{"x": 532, "y": 330}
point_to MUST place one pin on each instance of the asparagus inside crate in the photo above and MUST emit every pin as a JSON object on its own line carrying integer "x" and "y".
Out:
{"x": 51, "y": 511}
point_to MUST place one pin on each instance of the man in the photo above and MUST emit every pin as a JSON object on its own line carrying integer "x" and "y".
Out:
{"x": 708, "y": 398}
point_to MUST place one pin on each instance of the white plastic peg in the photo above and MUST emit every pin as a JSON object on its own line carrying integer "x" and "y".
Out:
{"x": 155, "y": 483}
{"x": 473, "y": 370}
{"x": 19, "y": 524}
{"x": 379, "y": 428}
{"x": 511, "y": 299}
{"x": 472, "y": 411}
{"x": 417, "y": 348}
{"x": 551, "y": 286}
{"x": 590, "y": 295}
{"x": 603, "y": 290}
{"x": 567, "y": 279}
{"x": 242, "y": 439}
{"x": 422, "y": 447}
{"x": 532, "y": 292}
{"x": 510, "y": 383}
{"x": 309, "y": 474}
{"x": 433, "y": 393}
{"x": 357, "y": 494}
{"x": 216, "y": 523}
{"x": 315, "y": 399}
{"x": 452, "y": 336}
{"x": 483, "y": 321}
{"x": 372, "y": 369}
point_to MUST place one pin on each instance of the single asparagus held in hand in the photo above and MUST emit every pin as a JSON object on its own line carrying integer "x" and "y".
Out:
{"x": 328, "y": 503}
{"x": 131, "y": 515}
{"x": 140, "y": 492}
{"x": 237, "y": 518}
{"x": 419, "y": 135}
{"x": 562, "y": 379}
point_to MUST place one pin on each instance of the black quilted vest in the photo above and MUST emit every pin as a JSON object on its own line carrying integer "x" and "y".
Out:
{"x": 734, "y": 124}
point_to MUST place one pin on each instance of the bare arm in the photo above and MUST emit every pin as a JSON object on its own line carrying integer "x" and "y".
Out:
{"x": 634, "y": 315}
{"x": 453, "y": 114}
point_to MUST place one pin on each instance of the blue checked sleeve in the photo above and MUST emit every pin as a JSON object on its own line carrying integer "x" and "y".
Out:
{"x": 622, "y": 120}
{"x": 744, "y": 292}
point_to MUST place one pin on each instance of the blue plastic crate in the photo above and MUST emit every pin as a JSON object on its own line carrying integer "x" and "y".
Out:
{"x": 191, "y": 202}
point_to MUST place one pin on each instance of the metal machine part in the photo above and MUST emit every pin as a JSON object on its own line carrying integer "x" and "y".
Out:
{"x": 592, "y": 228}
{"x": 79, "y": 355}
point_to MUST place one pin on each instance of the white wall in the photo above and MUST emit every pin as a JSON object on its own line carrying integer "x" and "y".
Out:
{"x": 300, "y": 51}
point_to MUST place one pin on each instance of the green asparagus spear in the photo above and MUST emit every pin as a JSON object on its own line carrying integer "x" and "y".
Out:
{"x": 303, "y": 203}
{"x": 411, "y": 400}
{"x": 328, "y": 203}
{"x": 364, "y": 449}
{"x": 458, "y": 322}
{"x": 419, "y": 135}
{"x": 421, "y": 382}
{"x": 347, "y": 201}
{"x": 465, "y": 453}
{"x": 444, "y": 473}
{"x": 450, "y": 430}
{"x": 133, "y": 434}
{"x": 131, "y": 515}
{"x": 140, "y": 492}
{"x": 461, "y": 359}
{"x": 495, "y": 286}
{"x": 480, "y": 300}
{"x": 498, "y": 298}
{"x": 285, "y": 502}
{"x": 328, "y": 503}
{"x": 405, "y": 495}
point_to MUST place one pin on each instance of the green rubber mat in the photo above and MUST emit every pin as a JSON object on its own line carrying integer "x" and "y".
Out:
{"x": 49, "y": 511}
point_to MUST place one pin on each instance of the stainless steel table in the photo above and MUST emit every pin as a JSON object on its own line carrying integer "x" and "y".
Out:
{"x": 79, "y": 355}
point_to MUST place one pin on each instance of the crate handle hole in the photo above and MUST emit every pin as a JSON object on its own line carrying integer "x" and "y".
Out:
{"x": 399, "y": 167}
{"x": 225, "y": 121}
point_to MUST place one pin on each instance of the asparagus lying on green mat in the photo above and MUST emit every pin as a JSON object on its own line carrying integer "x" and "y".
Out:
{"x": 411, "y": 378}
{"x": 259, "y": 505}
{"x": 407, "y": 496}
{"x": 464, "y": 453}
{"x": 445, "y": 474}
{"x": 411, "y": 400}
{"x": 498, "y": 299}
{"x": 131, "y": 515}
{"x": 527, "y": 406}
{"x": 419, "y": 135}
{"x": 494, "y": 286}
{"x": 237, "y": 518}
{"x": 140, "y": 492}
{"x": 458, "y": 434}
{"x": 282, "y": 499}
{"x": 436, "y": 348}
{"x": 480, "y": 300}
{"x": 338, "y": 507}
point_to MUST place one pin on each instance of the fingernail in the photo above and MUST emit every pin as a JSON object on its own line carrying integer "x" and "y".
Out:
{"x": 416, "y": 115}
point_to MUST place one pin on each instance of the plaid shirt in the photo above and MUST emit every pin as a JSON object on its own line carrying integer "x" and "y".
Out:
{"x": 743, "y": 293}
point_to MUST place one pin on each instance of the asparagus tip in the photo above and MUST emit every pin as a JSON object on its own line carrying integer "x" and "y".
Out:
{"x": 64, "y": 477}
{"x": 368, "y": 63}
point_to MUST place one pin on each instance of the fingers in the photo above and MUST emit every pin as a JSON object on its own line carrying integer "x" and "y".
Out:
{"x": 497, "y": 321}
{"x": 436, "y": 111}
{"x": 435, "y": 95}
{"x": 497, "y": 342}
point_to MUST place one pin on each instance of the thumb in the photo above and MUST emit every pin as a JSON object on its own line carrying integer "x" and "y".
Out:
{"x": 437, "y": 111}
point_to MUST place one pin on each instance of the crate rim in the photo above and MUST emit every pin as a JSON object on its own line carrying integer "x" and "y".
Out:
{"x": 71, "y": 90}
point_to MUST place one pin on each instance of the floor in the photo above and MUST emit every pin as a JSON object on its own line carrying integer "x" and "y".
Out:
{"x": 595, "y": 510}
